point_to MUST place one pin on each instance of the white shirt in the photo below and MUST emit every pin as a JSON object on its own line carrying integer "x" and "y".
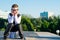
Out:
{"x": 11, "y": 19}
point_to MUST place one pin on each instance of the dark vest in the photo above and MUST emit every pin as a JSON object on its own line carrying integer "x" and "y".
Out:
{"x": 14, "y": 29}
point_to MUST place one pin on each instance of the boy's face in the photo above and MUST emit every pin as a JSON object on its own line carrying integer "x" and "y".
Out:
{"x": 14, "y": 10}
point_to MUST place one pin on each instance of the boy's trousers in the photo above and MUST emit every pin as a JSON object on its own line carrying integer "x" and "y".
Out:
{"x": 13, "y": 28}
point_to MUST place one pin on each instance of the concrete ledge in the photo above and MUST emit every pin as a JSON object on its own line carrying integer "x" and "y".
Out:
{"x": 28, "y": 38}
{"x": 30, "y": 35}
{"x": 12, "y": 39}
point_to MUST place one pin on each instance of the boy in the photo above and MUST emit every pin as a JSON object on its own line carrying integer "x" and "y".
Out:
{"x": 14, "y": 20}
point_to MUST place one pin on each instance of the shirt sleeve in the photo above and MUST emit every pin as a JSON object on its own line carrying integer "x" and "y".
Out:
{"x": 17, "y": 20}
{"x": 10, "y": 19}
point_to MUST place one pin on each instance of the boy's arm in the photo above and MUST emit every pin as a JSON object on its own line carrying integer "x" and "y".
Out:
{"x": 10, "y": 18}
{"x": 17, "y": 19}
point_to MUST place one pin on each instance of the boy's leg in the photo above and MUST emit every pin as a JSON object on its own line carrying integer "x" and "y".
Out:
{"x": 19, "y": 28}
{"x": 9, "y": 26}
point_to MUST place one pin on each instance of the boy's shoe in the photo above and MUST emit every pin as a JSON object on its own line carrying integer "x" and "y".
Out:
{"x": 21, "y": 37}
{"x": 5, "y": 38}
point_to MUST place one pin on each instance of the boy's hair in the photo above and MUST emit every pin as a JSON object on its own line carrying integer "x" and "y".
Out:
{"x": 14, "y": 5}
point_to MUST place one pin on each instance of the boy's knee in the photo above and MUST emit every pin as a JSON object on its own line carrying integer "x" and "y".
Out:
{"x": 10, "y": 23}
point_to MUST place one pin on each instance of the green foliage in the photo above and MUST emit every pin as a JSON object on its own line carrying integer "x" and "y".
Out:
{"x": 3, "y": 23}
{"x": 29, "y": 24}
{"x": 45, "y": 25}
{"x": 24, "y": 27}
{"x": 26, "y": 21}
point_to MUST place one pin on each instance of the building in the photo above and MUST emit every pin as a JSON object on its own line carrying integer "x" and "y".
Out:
{"x": 46, "y": 14}
{"x": 4, "y": 14}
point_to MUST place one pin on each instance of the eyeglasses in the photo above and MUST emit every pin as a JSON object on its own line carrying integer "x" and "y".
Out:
{"x": 14, "y": 9}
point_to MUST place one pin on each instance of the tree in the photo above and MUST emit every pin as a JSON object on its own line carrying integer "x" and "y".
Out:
{"x": 26, "y": 21}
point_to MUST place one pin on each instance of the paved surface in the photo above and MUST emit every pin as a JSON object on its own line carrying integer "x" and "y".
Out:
{"x": 41, "y": 36}
{"x": 29, "y": 35}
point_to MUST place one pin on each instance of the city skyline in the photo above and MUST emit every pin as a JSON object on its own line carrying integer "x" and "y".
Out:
{"x": 46, "y": 15}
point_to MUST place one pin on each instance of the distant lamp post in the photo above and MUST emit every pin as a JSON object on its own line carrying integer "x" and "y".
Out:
{"x": 34, "y": 30}
{"x": 57, "y": 31}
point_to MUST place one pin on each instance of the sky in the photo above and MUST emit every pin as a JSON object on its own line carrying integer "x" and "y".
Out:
{"x": 32, "y": 7}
